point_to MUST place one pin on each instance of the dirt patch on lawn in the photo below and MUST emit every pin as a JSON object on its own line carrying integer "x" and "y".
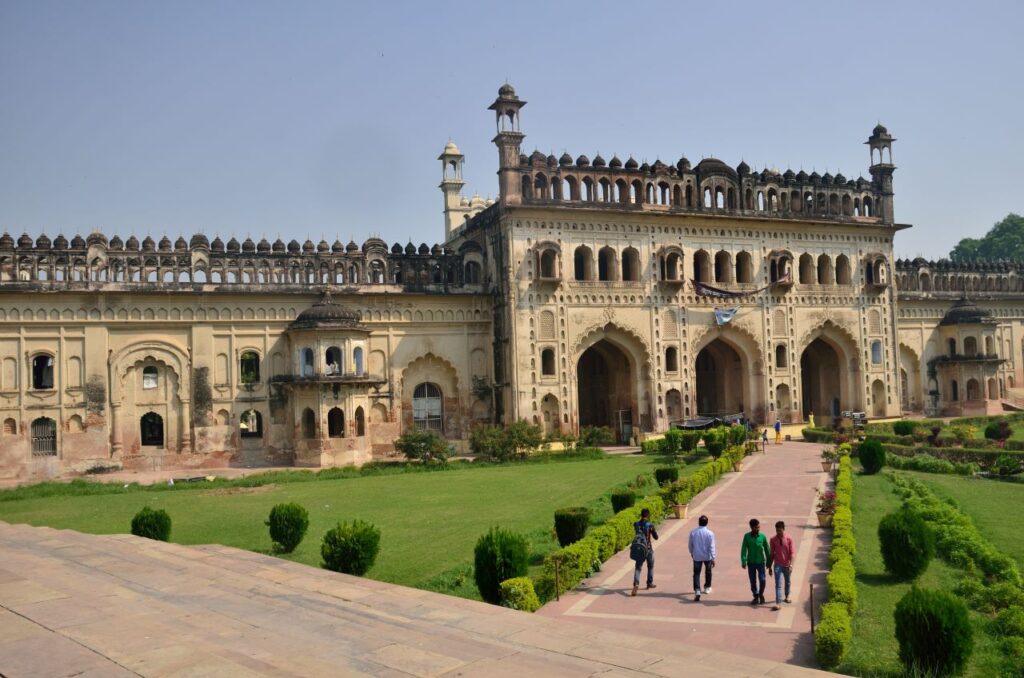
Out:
{"x": 259, "y": 489}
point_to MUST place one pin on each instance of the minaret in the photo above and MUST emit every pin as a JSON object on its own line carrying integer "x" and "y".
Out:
{"x": 451, "y": 185}
{"x": 508, "y": 140}
{"x": 880, "y": 144}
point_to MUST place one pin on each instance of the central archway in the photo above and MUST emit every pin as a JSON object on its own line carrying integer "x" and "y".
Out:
{"x": 607, "y": 380}
{"x": 722, "y": 381}
{"x": 821, "y": 380}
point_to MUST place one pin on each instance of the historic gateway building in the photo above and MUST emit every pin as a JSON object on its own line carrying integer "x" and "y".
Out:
{"x": 590, "y": 292}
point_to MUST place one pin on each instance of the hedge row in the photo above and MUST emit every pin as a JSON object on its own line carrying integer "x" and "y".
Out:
{"x": 682, "y": 491}
{"x": 834, "y": 632}
{"x": 990, "y": 581}
{"x": 818, "y": 435}
{"x": 956, "y": 455}
{"x": 929, "y": 464}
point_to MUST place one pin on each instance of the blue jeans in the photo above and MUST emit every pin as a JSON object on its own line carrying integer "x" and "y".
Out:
{"x": 781, "y": 572}
{"x": 756, "y": 570}
{"x": 650, "y": 569}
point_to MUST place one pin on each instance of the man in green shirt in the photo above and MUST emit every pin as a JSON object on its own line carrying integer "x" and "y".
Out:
{"x": 754, "y": 555}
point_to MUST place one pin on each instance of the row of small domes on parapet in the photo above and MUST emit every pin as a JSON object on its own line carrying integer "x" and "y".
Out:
{"x": 201, "y": 242}
{"x": 970, "y": 266}
{"x": 705, "y": 166}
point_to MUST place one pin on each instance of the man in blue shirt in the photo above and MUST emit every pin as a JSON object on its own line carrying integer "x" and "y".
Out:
{"x": 702, "y": 550}
{"x": 644, "y": 530}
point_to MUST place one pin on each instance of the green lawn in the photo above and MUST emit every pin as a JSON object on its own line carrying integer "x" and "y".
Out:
{"x": 429, "y": 521}
{"x": 988, "y": 503}
{"x": 874, "y": 651}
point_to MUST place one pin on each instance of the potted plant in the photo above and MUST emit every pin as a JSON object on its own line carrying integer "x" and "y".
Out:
{"x": 829, "y": 456}
{"x": 826, "y": 508}
{"x": 682, "y": 503}
{"x": 737, "y": 461}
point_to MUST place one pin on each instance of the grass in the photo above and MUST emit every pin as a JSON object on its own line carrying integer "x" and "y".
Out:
{"x": 429, "y": 521}
{"x": 873, "y": 651}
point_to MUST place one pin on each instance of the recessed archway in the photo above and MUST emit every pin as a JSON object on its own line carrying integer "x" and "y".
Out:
{"x": 606, "y": 382}
{"x": 822, "y": 375}
{"x": 722, "y": 380}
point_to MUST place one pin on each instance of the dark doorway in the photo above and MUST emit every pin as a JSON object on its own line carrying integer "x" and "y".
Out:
{"x": 721, "y": 380}
{"x": 151, "y": 427}
{"x": 821, "y": 379}
{"x": 606, "y": 385}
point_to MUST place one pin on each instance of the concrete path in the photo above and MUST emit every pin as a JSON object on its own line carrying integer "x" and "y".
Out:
{"x": 779, "y": 485}
{"x": 73, "y": 604}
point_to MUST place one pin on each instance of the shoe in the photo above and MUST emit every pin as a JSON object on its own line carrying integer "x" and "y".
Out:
{"x": 652, "y": 586}
{"x": 635, "y": 587}
{"x": 760, "y": 599}
{"x": 787, "y": 600}
{"x": 707, "y": 591}
{"x": 754, "y": 601}
{"x": 696, "y": 597}
{"x": 776, "y": 608}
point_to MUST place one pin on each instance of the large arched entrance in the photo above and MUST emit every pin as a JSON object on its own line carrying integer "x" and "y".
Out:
{"x": 607, "y": 381}
{"x": 721, "y": 380}
{"x": 822, "y": 377}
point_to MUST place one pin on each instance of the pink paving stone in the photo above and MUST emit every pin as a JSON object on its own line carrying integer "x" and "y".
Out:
{"x": 780, "y": 485}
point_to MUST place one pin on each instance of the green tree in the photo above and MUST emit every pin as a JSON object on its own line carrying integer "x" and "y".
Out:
{"x": 522, "y": 438}
{"x": 1004, "y": 241}
{"x": 425, "y": 446}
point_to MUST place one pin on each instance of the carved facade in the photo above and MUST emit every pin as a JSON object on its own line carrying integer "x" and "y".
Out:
{"x": 565, "y": 302}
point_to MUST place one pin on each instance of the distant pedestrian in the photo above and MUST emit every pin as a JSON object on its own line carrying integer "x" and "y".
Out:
{"x": 778, "y": 431}
{"x": 810, "y": 419}
{"x": 764, "y": 440}
{"x": 754, "y": 555}
{"x": 702, "y": 550}
{"x": 782, "y": 553}
{"x": 642, "y": 549}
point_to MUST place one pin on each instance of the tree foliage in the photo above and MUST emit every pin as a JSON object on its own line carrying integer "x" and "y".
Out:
{"x": 1004, "y": 241}
{"x": 423, "y": 445}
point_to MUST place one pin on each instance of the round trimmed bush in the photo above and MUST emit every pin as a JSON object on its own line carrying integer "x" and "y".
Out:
{"x": 903, "y": 427}
{"x": 152, "y": 524}
{"x": 666, "y": 474}
{"x": 933, "y": 632}
{"x": 871, "y": 455}
{"x": 288, "y": 524}
{"x": 992, "y": 431}
{"x": 571, "y": 524}
{"x": 622, "y": 500}
{"x": 499, "y": 555}
{"x": 907, "y": 543}
{"x": 350, "y": 548}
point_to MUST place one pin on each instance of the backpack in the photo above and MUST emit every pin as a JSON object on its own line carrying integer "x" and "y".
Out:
{"x": 639, "y": 549}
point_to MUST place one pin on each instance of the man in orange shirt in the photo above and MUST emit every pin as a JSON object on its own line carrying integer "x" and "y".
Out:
{"x": 782, "y": 553}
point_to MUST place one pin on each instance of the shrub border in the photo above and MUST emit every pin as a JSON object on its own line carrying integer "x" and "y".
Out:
{"x": 834, "y": 632}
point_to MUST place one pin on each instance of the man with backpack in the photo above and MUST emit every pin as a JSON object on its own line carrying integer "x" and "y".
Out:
{"x": 642, "y": 550}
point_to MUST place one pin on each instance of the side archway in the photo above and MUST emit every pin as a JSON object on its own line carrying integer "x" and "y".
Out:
{"x": 828, "y": 380}
{"x": 612, "y": 372}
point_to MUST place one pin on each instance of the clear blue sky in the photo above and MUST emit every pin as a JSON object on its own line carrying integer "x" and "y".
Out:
{"x": 325, "y": 119}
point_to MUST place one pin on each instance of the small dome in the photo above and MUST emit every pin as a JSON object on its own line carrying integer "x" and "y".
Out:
{"x": 308, "y": 247}
{"x": 839, "y": 179}
{"x": 599, "y": 161}
{"x": 326, "y": 314}
{"x": 43, "y": 242}
{"x": 424, "y": 249}
{"x": 351, "y": 246}
{"x": 165, "y": 244}
{"x": 632, "y": 164}
{"x": 248, "y": 246}
{"x": 815, "y": 178}
{"x": 148, "y": 244}
{"x": 709, "y": 166}
{"x": 6, "y": 241}
{"x": 683, "y": 164}
{"x": 61, "y": 243}
{"x": 397, "y": 248}
{"x": 538, "y": 157}
{"x": 827, "y": 179}
{"x": 374, "y": 243}
{"x": 337, "y": 247}
{"x": 436, "y": 250}
{"x": 199, "y": 241}
{"x": 506, "y": 91}
{"x": 115, "y": 243}
{"x": 132, "y": 244}
{"x": 862, "y": 182}
{"x": 263, "y": 246}
{"x": 965, "y": 312}
{"x": 25, "y": 242}
{"x": 180, "y": 245}
{"x": 583, "y": 161}
{"x": 801, "y": 176}
{"x": 645, "y": 167}
{"x": 278, "y": 246}
{"x": 323, "y": 247}
{"x": 294, "y": 247}
{"x": 234, "y": 246}
{"x": 788, "y": 175}
{"x": 410, "y": 248}
{"x": 96, "y": 238}
{"x": 217, "y": 245}
{"x": 615, "y": 163}
{"x": 78, "y": 242}
{"x": 879, "y": 130}
{"x": 658, "y": 166}
{"x": 524, "y": 159}
{"x": 565, "y": 160}
{"x": 451, "y": 149}
{"x": 552, "y": 161}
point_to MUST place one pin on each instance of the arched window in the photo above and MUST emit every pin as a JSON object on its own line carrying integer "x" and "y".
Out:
{"x": 336, "y": 423}
{"x": 583, "y": 264}
{"x": 744, "y": 268}
{"x": 876, "y": 353}
{"x": 780, "y": 357}
{"x": 150, "y": 377}
{"x": 970, "y": 347}
{"x": 955, "y": 390}
{"x": 671, "y": 359}
{"x": 547, "y": 362}
{"x": 807, "y": 276}
{"x": 427, "y": 407}
{"x": 308, "y": 424}
{"x": 360, "y": 422}
{"x": 702, "y": 266}
{"x": 723, "y": 267}
{"x": 606, "y": 264}
{"x": 842, "y": 270}
{"x": 988, "y": 346}
{"x": 825, "y": 270}
{"x": 952, "y": 347}
{"x": 44, "y": 437}
{"x": 151, "y": 430}
{"x": 973, "y": 389}
{"x": 630, "y": 264}
{"x": 10, "y": 427}
{"x": 333, "y": 361}
{"x": 548, "y": 264}
{"x": 307, "y": 358}
{"x": 250, "y": 424}
{"x": 472, "y": 273}
{"x": 42, "y": 372}
{"x": 249, "y": 367}
{"x": 357, "y": 360}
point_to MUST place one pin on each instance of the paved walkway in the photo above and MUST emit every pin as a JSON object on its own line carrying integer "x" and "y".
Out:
{"x": 73, "y": 604}
{"x": 780, "y": 485}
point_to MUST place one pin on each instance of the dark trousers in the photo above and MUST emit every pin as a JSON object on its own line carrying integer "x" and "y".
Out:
{"x": 650, "y": 569}
{"x": 697, "y": 564}
{"x": 756, "y": 571}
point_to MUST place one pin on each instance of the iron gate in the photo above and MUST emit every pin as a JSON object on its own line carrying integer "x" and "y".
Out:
{"x": 44, "y": 436}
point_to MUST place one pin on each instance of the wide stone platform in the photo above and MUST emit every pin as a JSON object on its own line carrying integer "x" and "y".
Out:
{"x": 83, "y": 605}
